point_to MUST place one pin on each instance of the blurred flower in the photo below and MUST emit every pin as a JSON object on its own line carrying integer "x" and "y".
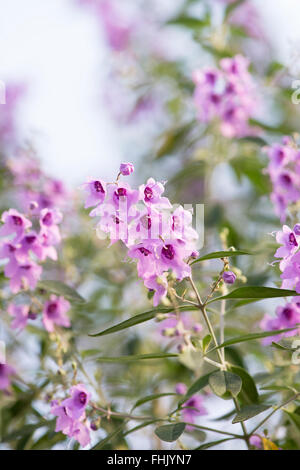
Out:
{"x": 54, "y": 313}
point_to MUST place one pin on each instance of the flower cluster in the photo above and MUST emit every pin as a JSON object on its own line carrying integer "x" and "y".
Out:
{"x": 23, "y": 246}
{"x": 228, "y": 95}
{"x": 54, "y": 313}
{"x": 284, "y": 172}
{"x": 159, "y": 236}
{"x": 71, "y": 416}
{"x": 8, "y": 118}
{"x": 192, "y": 408}
{"x": 34, "y": 189}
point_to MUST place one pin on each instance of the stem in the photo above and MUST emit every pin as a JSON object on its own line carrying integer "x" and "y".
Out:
{"x": 205, "y": 316}
{"x": 237, "y": 436}
{"x": 222, "y": 326}
{"x": 294, "y": 397}
{"x": 220, "y": 354}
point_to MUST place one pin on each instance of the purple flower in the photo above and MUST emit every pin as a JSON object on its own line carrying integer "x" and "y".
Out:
{"x": 151, "y": 193}
{"x": 229, "y": 277}
{"x": 20, "y": 314}
{"x": 159, "y": 285}
{"x": 286, "y": 317}
{"x": 287, "y": 238}
{"x": 291, "y": 273}
{"x": 181, "y": 389}
{"x": 54, "y": 313}
{"x": 14, "y": 223}
{"x": 193, "y": 408}
{"x": 25, "y": 277}
{"x": 117, "y": 29}
{"x": 70, "y": 426}
{"x": 96, "y": 192}
{"x": 172, "y": 255}
{"x": 75, "y": 405}
{"x": 126, "y": 169}
{"x": 227, "y": 95}
{"x": 256, "y": 441}
{"x": 6, "y": 372}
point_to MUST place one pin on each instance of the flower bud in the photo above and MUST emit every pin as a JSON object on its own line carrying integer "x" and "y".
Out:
{"x": 126, "y": 169}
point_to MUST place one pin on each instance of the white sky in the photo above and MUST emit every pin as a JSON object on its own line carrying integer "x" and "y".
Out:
{"x": 56, "y": 48}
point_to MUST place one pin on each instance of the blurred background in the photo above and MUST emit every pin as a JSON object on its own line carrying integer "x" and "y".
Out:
{"x": 58, "y": 52}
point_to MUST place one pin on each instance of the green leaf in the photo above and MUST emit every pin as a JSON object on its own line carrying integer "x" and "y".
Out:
{"x": 254, "y": 140}
{"x": 248, "y": 412}
{"x": 188, "y": 22}
{"x": 170, "y": 432}
{"x": 249, "y": 393}
{"x": 151, "y": 398}
{"x": 141, "y": 318}
{"x": 225, "y": 384}
{"x": 206, "y": 342}
{"x": 134, "y": 358}
{"x": 221, "y": 254}
{"x": 251, "y": 337}
{"x": 295, "y": 418}
{"x": 59, "y": 288}
{"x": 257, "y": 292}
{"x": 195, "y": 388}
{"x": 208, "y": 445}
{"x": 108, "y": 438}
{"x": 281, "y": 347}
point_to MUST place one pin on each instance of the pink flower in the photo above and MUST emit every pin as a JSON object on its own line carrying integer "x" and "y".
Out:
{"x": 6, "y": 372}
{"x": 20, "y": 313}
{"x": 256, "y": 441}
{"x": 75, "y": 405}
{"x": 172, "y": 255}
{"x": 288, "y": 239}
{"x": 70, "y": 426}
{"x": 151, "y": 193}
{"x": 54, "y": 313}
{"x": 160, "y": 285}
{"x": 96, "y": 192}
{"x": 291, "y": 273}
{"x": 26, "y": 276}
{"x": 226, "y": 95}
{"x": 14, "y": 223}
{"x": 286, "y": 317}
{"x": 126, "y": 169}
{"x": 181, "y": 389}
{"x": 117, "y": 29}
{"x": 193, "y": 408}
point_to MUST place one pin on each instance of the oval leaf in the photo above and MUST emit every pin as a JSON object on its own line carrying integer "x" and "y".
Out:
{"x": 224, "y": 382}
{"x": 248, "y": 412}
{"x": 249, "y": 393}
{"x": 170, "y": 432}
